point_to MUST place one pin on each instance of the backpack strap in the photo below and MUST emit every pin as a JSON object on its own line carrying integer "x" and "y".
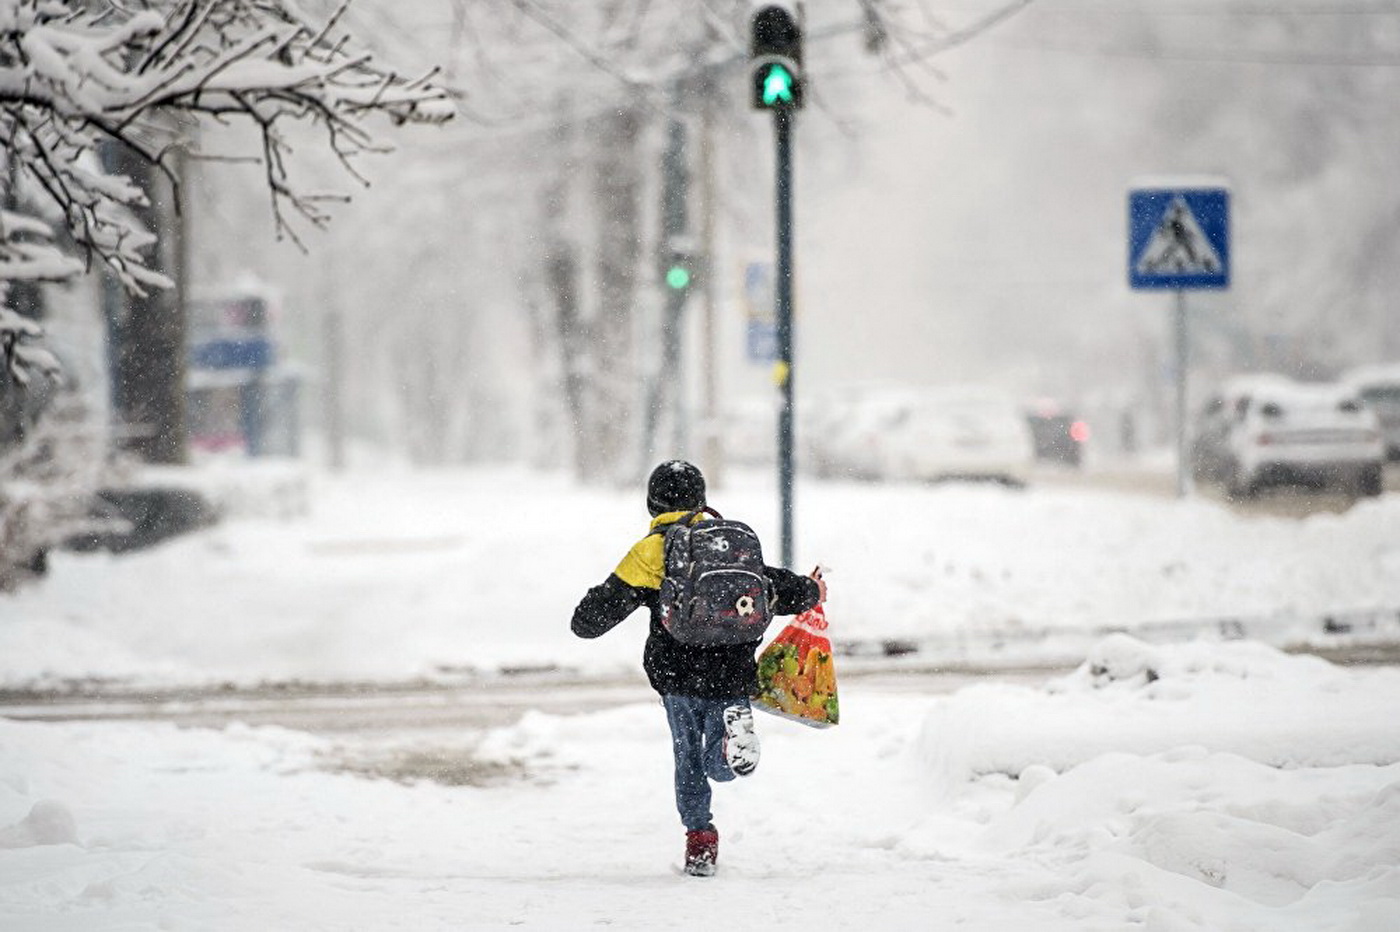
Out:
{"x": 686, "y": 519}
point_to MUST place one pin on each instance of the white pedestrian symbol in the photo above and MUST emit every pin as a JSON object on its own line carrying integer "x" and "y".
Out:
{"x": 1178, "y": 245}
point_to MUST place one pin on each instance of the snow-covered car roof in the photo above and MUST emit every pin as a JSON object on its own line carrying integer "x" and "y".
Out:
{"x": 1250, "y": 383}
{"x": 1379, "y": 373}
{"x": 1305, "y": 394}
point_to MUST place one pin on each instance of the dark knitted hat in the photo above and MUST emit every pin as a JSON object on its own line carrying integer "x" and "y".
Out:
{"x": 675, "y": 485}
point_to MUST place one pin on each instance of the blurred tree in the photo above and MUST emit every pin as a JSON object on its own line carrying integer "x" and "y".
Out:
{"x": 541, "y": 214}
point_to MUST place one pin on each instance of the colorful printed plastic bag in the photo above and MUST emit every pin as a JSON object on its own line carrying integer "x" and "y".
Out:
{"x": 797, "y": 674}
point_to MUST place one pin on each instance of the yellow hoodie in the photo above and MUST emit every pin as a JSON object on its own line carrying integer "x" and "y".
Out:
{"x": 644, "y": 563}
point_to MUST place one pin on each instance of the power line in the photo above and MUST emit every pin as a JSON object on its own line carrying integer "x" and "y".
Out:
{"x": 1219, "y": 56}
{"x": 1217, "y": 10}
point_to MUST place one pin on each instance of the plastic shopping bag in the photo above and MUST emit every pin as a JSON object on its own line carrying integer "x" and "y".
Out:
{"x": 797, "y": 674}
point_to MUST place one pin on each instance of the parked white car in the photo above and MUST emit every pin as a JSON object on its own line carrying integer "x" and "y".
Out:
{"x": 1378, "y": 387}
{"x": 1212, "y": 458}
{"x": 922, "y": 434}
{"x": 960, "y": 433}
{"x": 845, "y": 432}
{"x": 1298, "y": 433}
{"x": 750, "y": 430}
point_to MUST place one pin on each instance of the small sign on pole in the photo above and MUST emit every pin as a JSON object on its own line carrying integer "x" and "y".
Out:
{"x": 1179, "y": 239}
{"x": 761, "y": 333}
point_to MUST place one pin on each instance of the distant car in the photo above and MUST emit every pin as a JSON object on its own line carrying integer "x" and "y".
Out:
{"x": 968, "y": 433}
{"x": 1058, "y": 437}
{"x": 750, "y": 428}
{"x": 1313, "y": 434}
{"x": 1378, "y": 387}
{"x": 1211, "y": 456}
{"x": 922, "y": 434}
{"x": 848, "y": 434}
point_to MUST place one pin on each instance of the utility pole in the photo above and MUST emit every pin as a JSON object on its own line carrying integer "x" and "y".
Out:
{"x": 335, "y": 388}
{"x": 712, "y": 450}
{"x": 679, "y": 267}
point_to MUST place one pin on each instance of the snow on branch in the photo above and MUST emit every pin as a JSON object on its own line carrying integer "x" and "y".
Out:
{"x": 76, "y": 73}
{"x": 21, "y": 358}
{"x": 27, "y": 254}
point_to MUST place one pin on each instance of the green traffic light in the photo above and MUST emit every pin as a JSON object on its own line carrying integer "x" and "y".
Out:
{"x": 777, "y": 86}
{"x": 677, "y": 277}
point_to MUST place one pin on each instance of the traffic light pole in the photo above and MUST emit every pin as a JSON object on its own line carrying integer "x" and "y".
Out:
{"x": 775, "y": 56}
{"x": 782, "y": 127}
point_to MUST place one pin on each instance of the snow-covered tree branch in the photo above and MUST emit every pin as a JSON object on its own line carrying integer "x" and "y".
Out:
{"x": 74, "y": 75}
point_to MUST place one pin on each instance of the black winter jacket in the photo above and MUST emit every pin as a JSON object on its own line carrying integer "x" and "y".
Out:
{"x": 724, "y": 671}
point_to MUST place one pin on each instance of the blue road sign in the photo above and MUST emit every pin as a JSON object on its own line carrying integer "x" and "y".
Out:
{"x": 251, "y": 353}
{"x": 1179, "y": 237}
{"x": 761, "y": 341}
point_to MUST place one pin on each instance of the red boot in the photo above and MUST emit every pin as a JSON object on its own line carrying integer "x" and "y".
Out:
{"x": 701, "y": 852}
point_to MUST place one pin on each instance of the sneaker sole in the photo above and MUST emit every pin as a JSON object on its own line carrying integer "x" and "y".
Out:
{"x": 739, "y": 736}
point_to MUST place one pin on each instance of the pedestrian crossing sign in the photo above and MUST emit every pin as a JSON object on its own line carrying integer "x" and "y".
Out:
{"x": 1179, "y": 237}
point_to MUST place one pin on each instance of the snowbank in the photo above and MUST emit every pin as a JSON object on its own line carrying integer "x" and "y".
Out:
{"x": 1237, "y": 698}
{"x": 1199, "y": 786}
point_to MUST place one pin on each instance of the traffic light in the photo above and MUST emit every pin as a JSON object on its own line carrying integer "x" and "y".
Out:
{"x": 678, "y": 277}
{"x": 680, "y": 270}
{"x": 775, "y": 57}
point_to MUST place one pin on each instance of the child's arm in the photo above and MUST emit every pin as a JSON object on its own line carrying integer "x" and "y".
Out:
{"x": 605, "y": 606}
{"x": 793, "y": 593}
{"x": 624, "y": 591}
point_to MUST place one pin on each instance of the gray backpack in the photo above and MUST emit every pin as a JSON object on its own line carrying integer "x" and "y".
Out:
{"x": 713, "y": 588}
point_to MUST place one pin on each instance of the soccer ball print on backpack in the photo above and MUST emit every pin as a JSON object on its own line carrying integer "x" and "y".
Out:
{"x": 713, "y": 588}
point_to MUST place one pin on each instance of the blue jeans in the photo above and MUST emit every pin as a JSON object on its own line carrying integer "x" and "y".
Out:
{"x": 697, "y": 738}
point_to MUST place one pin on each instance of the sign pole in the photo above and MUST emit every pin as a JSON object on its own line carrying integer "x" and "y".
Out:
{"x": 1183, "y": 450}
{"x": 782, "y": 126}
{"x": 1179, "y": 238}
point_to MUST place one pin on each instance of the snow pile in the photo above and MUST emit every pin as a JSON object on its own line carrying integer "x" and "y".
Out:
{"x": 48, "y": 823}
{"x": 1117, "y": 797}
{"x": 1190, "y": 839}
{"x": 1238, "y": 698}
{"x": 1198, "y": 786}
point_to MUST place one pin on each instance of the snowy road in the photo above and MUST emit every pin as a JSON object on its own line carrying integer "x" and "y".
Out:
{"x": 408, "y": 732}
{"x": 416, "y": 731}
{"x": 382, "y": 708}
{"x": 1280, "y": 502}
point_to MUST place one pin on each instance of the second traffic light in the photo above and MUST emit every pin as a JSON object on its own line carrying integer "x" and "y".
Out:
{"x": 775, "y": 57}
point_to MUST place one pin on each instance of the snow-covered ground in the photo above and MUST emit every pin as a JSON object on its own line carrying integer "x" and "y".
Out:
{"x": 405, "y": 575}
{"x": 1203, "y": 785}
